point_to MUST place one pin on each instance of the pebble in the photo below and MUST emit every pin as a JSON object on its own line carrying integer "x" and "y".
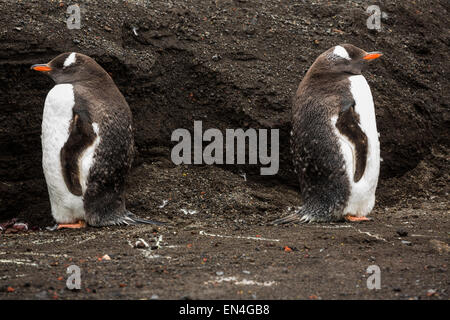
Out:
{"x": 431, "y": 292}
{"x": 141, "y": 243}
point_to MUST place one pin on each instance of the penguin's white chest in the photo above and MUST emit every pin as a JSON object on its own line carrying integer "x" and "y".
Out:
{"x": 66, "y": 207}
{"x": 362, "y": 193}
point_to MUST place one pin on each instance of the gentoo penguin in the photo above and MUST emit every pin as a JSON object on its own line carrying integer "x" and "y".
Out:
{"x": 334, "y": 138}
{"x": 87, "y": 144}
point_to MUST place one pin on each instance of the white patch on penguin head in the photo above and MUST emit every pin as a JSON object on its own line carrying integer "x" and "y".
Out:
{"x": 95, "y": 127}
{"x": 341, "y": 52}
{"x": 70, "y": 59}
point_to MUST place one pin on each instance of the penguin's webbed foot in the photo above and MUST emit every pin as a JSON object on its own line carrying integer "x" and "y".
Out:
{"x": 80, "y": 224}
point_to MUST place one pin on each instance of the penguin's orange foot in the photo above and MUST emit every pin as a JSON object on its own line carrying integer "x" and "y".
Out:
{"x": 355, "y": 219}
{"x": 78, "y": 225}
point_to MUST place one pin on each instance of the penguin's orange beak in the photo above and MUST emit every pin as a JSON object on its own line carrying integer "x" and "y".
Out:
{"x": 372, "y": 55}
{"x": 41, "y": 67}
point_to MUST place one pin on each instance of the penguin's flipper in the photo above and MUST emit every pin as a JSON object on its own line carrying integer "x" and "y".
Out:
{"x": 81, "y": 136}
{"x": 347, "y": 105}
{"x": 348, "y": 125}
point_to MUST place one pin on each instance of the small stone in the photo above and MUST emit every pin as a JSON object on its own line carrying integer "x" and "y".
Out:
{"x": 408, "y": 243}
{"x": 106, "y": 257}
{"x": 431, "y": 292}
{"x": 141, "y": 243}
{"x": 219, "y": 273}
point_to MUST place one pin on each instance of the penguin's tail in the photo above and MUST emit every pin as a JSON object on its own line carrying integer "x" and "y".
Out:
{"x": 131, "y": 219}
{"x": 306, "y": 214}
{"x": 292, "y": 218}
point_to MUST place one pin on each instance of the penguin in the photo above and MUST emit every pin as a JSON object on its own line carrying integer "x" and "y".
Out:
{"x": 87, "y": 144}
{"x": 334, "y": 139}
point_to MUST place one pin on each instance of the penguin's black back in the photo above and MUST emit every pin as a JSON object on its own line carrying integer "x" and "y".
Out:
{"x": 104, "y": 196}
{"x": 318, "y": 161}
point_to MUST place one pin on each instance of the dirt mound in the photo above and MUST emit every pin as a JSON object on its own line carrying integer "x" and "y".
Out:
{"x": 231, "y": 64}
